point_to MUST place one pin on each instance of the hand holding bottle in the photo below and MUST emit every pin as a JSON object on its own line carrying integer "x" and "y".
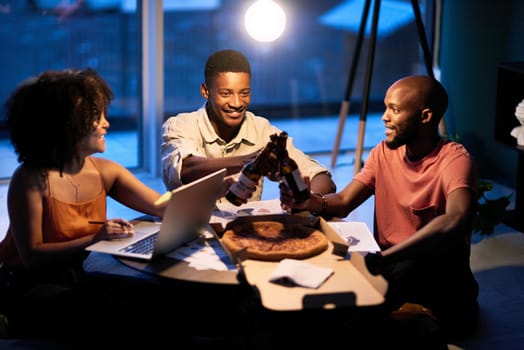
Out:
{"x": 274, "y": 163}
{"x": 289, "y": 171}
{"x": 288, "y": 200}
{"x": 241, "y": 190}
{"x": 272, "y": 166}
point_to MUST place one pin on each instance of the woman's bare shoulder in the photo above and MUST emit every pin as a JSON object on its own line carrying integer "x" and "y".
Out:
{"x": 104, "y": 163}
{"x": 27, "y": 178}
{"x": 109, "y": 169}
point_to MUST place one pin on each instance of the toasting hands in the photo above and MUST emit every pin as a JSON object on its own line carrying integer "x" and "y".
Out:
{"x": 288, "y": 202}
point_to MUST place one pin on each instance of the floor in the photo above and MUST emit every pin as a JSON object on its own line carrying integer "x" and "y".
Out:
{"x": 497, "y": 260}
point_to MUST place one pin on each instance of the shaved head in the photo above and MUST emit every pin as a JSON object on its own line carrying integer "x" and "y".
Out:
{"x": 424, "y": 92}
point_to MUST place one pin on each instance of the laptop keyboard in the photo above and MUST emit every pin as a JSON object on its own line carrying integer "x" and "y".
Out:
{"x": 144, "y": 246}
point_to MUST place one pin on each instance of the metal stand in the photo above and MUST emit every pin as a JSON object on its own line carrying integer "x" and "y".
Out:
{"x": 344, "y": 109}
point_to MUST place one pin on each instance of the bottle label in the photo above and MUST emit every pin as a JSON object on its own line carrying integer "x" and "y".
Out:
{"x": 298, "y": 186}
{"x": 298, "y": 183}
{"x": 244, "y": 187}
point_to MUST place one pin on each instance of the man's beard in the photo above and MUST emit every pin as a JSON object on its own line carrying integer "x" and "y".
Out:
{"x": 404, "y": 135}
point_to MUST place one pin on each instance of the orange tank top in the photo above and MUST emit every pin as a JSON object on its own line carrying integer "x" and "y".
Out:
{"x": 62, "y": 221}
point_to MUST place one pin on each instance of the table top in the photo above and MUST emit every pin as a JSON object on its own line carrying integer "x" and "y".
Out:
{"x": 172, "y": 268}
{"x": 202, "y": 263}
{"x": 168, "y": 267}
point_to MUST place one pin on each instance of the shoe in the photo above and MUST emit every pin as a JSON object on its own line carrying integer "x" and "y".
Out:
{"x": 410, "y": 311}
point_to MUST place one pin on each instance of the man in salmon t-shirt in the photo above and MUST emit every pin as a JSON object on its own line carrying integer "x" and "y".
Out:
{"x": 425, "y": 205}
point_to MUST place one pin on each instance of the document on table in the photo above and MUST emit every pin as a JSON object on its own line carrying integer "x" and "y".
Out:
{"x": 203, "y": 255}
{"x": 227, "y": 212}
{"x": 357, "y": 234}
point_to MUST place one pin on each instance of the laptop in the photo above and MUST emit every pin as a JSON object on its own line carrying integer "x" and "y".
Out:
{"x": 186, "y": 218}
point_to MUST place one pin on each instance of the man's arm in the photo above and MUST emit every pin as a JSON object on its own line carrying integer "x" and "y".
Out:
{"x": 182, "y": 153}
{"x": 323, "y": 183}
{"x": 194, "y": 167}
{"x": 338, "y": 204}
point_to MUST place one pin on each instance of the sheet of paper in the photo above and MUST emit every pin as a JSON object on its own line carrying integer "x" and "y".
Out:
{"x": 203, "y": 255}
{"x": 357, "y": 234}
{"x": 226, "y": 211}
{"x": 292, "y": 272}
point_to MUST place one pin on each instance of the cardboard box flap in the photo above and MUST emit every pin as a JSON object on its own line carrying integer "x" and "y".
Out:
{"x": 340, "y": 245}
{"x": 311, "y": 221}
{"x": 348, "y": 286}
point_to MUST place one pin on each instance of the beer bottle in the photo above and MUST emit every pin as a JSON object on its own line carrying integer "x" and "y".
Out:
{"x": 290, "y": 172}
{"x": 239, "y": 192}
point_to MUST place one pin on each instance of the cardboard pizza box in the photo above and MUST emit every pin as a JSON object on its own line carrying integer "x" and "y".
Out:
{"x": 350, "y": 284}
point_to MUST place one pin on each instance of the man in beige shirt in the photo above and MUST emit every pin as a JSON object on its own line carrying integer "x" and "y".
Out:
{"x": 223, "y": 133}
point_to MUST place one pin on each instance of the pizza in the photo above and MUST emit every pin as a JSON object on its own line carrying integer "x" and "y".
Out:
{"x": 273, "y": 240}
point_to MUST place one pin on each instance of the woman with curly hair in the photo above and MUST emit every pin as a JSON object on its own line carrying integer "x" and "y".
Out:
{"x": 57, "y": 121}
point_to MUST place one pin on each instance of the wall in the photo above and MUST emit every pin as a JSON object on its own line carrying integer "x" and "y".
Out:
{"x": 476, "y": 35}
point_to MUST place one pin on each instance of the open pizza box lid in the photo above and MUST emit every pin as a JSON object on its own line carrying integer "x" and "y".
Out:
{"x": 350, "y": 284}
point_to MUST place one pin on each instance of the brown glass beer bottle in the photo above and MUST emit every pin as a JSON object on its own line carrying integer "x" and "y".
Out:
{"x": 290, "y": 172}
{"x": 239, "y": 192}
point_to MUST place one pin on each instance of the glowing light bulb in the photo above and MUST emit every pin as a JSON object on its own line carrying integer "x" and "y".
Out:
{"x": 265, "y": 20}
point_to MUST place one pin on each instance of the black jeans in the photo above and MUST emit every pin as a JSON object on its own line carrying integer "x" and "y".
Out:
{"x": 444, "y": 284}
{"x": 68, "y": 305}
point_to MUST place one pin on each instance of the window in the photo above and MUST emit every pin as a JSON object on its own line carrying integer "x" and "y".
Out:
{"x": 39, "y": 35}
{"x": 302, "y": 74}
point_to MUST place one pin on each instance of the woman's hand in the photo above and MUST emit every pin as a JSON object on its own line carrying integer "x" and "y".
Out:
{"x": 114, "y": 229}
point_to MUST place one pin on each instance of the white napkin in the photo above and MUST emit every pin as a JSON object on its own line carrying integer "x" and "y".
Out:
{"x": 518, "y": 132}
{"x": 301, "y": 273}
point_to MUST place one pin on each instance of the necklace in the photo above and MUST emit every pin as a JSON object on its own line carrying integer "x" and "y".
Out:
{"x": 75, "y": 185}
